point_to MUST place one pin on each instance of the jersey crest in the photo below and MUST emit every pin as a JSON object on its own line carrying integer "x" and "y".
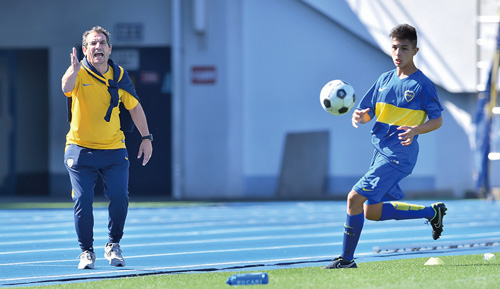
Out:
{"x": 409, "y": 95}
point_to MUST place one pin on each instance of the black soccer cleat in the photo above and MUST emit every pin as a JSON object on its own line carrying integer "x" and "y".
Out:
{"x": 340, "y": 263}
{"x": 437, "y": 221}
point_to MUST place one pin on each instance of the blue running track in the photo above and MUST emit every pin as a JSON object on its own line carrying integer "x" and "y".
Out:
{"x": 39, "y": 247}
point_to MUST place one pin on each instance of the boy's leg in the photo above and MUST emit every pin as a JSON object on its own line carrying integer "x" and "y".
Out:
{"x": 352, "y": 231}
{"x": 353, "y": 225}
{"x": 372, "y": 189}
{"x": 396, "y": 210}
{"x": 404, "y": 211}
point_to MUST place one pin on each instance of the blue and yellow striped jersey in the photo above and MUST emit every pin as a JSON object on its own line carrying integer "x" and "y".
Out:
{"x": 90, "y": 102}
{"x": 398, "y": 102}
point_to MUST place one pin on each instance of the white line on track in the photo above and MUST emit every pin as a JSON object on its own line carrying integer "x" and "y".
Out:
{"x": 191, "y": 242}
{"x": 168, "y": 226}
{"x": 189, "y": 253}
{"x": 192, "y": 233}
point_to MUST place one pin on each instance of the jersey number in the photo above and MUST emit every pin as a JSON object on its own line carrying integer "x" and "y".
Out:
{"x": 374, "y": 182}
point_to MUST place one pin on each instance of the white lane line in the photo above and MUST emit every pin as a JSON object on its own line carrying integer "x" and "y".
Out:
{"x": 192, "y": 242}
{"x": 193, "y": 233}
{"x": 144, "y": 225}
{"x": 190, "y": 253}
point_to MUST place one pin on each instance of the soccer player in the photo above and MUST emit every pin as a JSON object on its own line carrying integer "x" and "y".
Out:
{"x": 406, "y": 104}
{"x": 100, "y": 93}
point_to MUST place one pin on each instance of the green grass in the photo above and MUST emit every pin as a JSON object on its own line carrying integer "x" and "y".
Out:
{"x": 466, "y": 271}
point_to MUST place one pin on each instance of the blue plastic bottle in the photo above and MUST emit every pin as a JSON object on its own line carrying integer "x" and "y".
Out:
{"x": 248, "y": 279}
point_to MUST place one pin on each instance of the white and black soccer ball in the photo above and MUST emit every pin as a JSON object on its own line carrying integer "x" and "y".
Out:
{"x": 337, "y": 97}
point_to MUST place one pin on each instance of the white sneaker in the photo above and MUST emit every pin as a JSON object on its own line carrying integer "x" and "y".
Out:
{"x": 87, "y": 260}
{"x": 113, "y": 253}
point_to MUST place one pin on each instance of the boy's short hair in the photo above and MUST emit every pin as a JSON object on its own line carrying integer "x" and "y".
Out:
{"x": 405, "y": 31}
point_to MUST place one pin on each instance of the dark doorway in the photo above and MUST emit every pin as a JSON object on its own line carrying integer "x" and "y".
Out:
{"x": 150, "y": 69}
{"x": 24, "y": 122}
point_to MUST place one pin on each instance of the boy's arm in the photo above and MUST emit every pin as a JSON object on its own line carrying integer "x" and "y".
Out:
{"x": 360, "y": 116}
{"x": 410, "y": 132}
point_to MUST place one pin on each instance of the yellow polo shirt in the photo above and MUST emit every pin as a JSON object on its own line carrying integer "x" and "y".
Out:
{"x": 90, "y": 102}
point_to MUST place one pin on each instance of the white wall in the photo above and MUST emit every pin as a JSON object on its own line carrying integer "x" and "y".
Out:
{"x": 438, "y": 23}
{"x": 212, "y": 129}
{"x": 452, "y": 143}
{"x": 291, "y": 51}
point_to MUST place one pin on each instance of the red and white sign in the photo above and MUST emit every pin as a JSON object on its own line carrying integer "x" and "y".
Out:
{"x": 203, "y": 74}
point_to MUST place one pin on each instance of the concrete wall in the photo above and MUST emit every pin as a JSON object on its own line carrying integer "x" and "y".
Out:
{"x": 212, "y": 113}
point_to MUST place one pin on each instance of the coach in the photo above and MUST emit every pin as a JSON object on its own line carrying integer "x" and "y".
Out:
{"x": 100, "y": 96}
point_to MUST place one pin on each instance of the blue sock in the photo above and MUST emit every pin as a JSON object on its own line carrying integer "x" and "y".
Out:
{"x": 404, "y": 211}
{"x": 352, "y": 231}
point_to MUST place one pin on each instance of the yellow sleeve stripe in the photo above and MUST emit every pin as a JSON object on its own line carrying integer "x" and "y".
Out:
{"x": 393, "y": 115}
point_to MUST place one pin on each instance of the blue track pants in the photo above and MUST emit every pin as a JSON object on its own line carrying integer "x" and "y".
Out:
{"x": 85, "y": 166}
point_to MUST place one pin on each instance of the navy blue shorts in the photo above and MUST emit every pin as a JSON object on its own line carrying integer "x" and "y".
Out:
{"x": 380, "y": 183}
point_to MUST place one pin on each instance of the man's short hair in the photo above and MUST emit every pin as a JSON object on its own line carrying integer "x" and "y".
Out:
{"x": 97, "y": 29}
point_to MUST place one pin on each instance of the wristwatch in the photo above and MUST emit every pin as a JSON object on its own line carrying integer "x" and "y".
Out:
{"x": 149, "y": 137}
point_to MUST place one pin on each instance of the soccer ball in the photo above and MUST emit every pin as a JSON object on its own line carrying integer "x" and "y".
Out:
{"x": 337, "y": 97}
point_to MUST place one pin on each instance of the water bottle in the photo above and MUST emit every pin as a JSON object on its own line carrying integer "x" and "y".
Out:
{"x": 248, "y": 279}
